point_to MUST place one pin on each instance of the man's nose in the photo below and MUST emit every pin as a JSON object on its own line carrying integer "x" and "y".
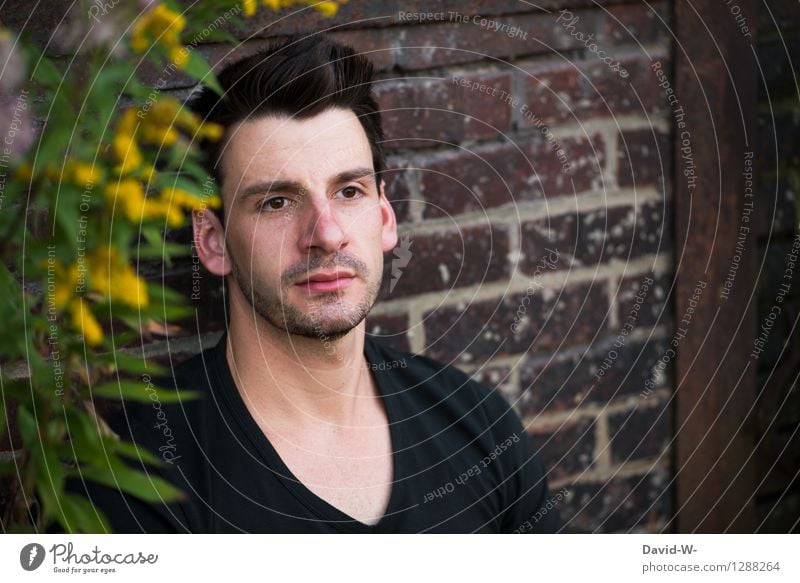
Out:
{"x": 323, "y": 228}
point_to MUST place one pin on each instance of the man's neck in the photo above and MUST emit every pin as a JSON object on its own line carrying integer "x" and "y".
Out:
{"x": 296, "y": 380}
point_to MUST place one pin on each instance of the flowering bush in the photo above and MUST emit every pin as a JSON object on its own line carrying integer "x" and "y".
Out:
{"x": 89, "y": 189}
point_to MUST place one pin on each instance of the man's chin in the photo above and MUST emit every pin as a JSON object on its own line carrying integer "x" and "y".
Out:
{"x": 331, "y": 318}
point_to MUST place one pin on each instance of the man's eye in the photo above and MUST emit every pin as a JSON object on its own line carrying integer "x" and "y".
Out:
{"x": 276, "y": 203}
{"x": 350, "y": 192}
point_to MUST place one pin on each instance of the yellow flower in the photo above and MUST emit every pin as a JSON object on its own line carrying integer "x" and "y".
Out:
{"x": 163, "y": 136}
{"x": 159, "y": 24}
{"x": 210, "y": 130}
{"x": 127, "y": 153}
{"x": 66, "y": 281}
{"x": 84, "y": 322}
{"x": 188, "y": 199}
{"x": 113, "y": 277}
{"x": 24, "y": 172}
{"x": 327, "y": 8}
{"x": 82, "y": 173}
{"x": 249, "y": 7}
{"x": 159, "y": 208}
{"x": 128, "y": 196}
{"x": 179, "y": 55}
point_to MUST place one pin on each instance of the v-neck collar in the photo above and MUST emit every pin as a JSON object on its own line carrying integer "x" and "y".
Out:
{"x": 318, "y": 506}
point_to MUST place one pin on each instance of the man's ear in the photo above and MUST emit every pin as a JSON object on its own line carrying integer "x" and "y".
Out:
{"x": 389, "y": 230}
{"x": 209, "y": 240}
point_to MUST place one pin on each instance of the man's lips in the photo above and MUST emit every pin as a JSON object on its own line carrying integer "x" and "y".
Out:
{"x": 324, "y": 281}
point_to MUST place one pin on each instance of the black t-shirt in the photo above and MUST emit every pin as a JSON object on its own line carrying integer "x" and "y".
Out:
{"x": 462, "y": 460}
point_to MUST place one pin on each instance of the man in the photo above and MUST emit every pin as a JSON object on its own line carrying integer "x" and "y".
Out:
{"x": 305, "y": 423}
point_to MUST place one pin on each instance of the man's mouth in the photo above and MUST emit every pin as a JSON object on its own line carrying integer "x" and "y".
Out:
{"x": 327, "y": 281}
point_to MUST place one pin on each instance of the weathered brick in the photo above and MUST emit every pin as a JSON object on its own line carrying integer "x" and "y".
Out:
{"x": 429, "y": 112}
{"x": 391, "y": 330}
{"x": 594, "y": 237}
{"x": 654, "y": 301}
{"x": 573, "y": 378}
{"x": 640, "y": 432}
{"x": 495, "y": 175}
{"x": 618, "y": 505}
{"x": 370, "y": 13}
{"x": 483, "y": 329}
{"x": 454, "y": 42}
{"x": 559, "y": 92}
{"x": 566, "y": 448}
{"x": 644, "y": 158}
{"x": 633, "y": 23}
{"x": 444, "y": 261}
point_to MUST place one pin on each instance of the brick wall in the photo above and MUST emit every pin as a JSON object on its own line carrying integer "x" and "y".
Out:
{"x": 531, "y": 182}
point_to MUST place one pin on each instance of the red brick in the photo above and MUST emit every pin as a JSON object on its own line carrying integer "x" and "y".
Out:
{"x": 621, "y": 504}
{"x": 444, "y": 261}
{"x": 566, "y": 448}
{"x": 370, "y": 13}
{"x": 495, "y": 175}
{"x": 482, "y": 329}
{"x": 558, "y": 92}
{"x": 641, "y": 432}
{"x": 390, "y": 331}
{"x": 594, "y": 237}
{"x": 634, "y": 24}
{"x": 644, "y": 158}
{"x": 655, "y": 307}
{"x": 429, "y": 112}
{"x": 580, "y": 376}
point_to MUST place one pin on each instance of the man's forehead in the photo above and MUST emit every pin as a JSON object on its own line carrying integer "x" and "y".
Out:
{"x": 330, "y": 133}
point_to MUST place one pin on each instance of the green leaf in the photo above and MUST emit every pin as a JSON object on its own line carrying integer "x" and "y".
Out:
{"x": 166, "y": 252}
{"x": 119, "y": 476}
{"x": 131, "y": 451}
{"x": 50, "y": 467}
{"x": 28, "y": 428}
{"x": 223, "y": 36}
{"x": 78, "y": 515}
{"x": 42, "y": 68}
{"x": 140, "y": 391}
{"x": 198, "y": 68}
{"x": 133, "y": 364}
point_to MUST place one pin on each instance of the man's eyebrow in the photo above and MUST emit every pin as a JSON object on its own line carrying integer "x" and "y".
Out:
{"x": 267, "y": 186}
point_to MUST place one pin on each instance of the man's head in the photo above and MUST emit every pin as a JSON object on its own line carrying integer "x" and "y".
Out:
{"x": 299, "y": 173}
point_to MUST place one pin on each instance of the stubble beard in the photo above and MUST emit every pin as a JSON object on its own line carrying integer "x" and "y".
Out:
{"x": 329, "y": 315}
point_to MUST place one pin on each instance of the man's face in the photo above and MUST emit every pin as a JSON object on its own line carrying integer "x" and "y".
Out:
{"x": 306, "y": 225}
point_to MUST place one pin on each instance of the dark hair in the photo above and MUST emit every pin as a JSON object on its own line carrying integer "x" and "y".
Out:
{"x": 299, "y": 77}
